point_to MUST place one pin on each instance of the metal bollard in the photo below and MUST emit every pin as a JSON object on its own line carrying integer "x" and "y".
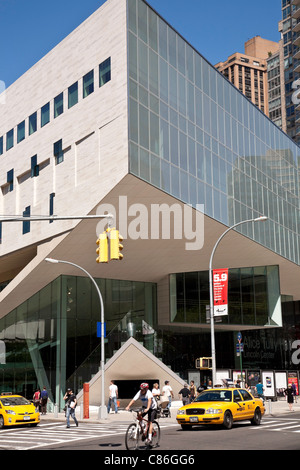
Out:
{"x": 270, "y": 406}
{"x": 55, "y": 410}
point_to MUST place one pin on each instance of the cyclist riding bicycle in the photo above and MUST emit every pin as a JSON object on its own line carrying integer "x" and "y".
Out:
{"x": 150, "y": 405}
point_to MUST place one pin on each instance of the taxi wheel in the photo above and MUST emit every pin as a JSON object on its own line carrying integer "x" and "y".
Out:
{"x": 1, "y": 422}
{"x": 228, "y": 420}
{"x": 256, "y": 417}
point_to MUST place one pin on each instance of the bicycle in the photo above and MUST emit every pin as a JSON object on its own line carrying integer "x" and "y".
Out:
{"x": 137, "y": 433}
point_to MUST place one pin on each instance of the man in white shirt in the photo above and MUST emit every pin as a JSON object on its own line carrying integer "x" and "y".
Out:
{"x": 168, "y": 392}
{"x": 113, "y": 395}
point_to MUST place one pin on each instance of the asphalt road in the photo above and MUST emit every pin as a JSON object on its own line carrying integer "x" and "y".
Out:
{"x": 275, "y": 433}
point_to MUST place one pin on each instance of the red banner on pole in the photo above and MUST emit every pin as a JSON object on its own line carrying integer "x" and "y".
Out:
{"x": 220, "y": 287}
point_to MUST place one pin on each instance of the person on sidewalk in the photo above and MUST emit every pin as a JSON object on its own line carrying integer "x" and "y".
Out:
{"x": 44, "y": 401}
{"x": 168, "y": 392}
{"x": 289, "y": 393}
{"x": 71, "y": 402}
{"x": 113, "y": 395}
{"x": 185, "y": 393}
{"x": 260, "y": 391}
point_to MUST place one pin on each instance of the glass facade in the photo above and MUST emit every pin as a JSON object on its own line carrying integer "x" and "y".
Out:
{"x": 253, "y": 297}
{"x": 195, "y": 136}
{"x": 51, "y": 339}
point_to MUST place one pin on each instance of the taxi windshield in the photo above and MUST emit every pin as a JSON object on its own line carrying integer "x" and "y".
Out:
{"x": 14, "y": 401}
{"x": 214, "y": 395}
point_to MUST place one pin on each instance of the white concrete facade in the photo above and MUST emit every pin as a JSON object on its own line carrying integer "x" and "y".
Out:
{"x": 93, "y": 132}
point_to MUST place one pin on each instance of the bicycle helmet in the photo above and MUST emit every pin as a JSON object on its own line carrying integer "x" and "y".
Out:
{"x": 144, "y": 386}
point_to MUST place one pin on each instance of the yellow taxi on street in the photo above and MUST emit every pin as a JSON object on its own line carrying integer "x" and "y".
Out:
{"x": 221, "y": 406}
{"x": 15, "y": 410}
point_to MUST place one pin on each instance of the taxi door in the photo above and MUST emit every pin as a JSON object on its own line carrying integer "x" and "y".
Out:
{"x": 248, "y": 403}
{"x": 240, "y": 407}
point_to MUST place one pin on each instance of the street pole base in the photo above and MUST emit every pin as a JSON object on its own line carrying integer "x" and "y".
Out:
{"x": 102, "y": 412}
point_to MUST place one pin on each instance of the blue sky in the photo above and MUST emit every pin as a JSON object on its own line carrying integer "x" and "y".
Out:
{"x": 216, "y": 28}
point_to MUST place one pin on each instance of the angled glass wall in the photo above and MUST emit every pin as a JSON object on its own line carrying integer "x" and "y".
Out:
{"x": 51, "y": 339}
{"x": 195, "y": 136}
{"x": 253, "y": 297}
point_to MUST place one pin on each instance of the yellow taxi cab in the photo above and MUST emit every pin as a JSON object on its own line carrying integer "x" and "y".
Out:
{"x": 221, "y": 406}
{"x": 15, "y": 410}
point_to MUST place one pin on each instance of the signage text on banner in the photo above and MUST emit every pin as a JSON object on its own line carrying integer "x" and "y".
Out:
{"x": 220, "y": 286}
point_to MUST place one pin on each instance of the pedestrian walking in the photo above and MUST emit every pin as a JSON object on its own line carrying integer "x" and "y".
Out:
{"x": 44, "y": 400}
{"x": 168, "y": 392}
{"x": 289, "y": 393}
{"x": 193, "y": 391}
{"x": 71, "y": 402}
{"x": 36, "y": 399}
{"x": 113, "y": 395}
{"x": 185, "y": 393}
{"x": 260, "y": 391}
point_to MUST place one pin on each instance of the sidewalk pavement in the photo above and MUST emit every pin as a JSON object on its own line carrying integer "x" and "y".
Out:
{"x": 273, "y": 408}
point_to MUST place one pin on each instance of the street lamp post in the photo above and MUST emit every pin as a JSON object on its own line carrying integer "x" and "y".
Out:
{"x": 102, "y": 409}
{"x": 211, "y": 300}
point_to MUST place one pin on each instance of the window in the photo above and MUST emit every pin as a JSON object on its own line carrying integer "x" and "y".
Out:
{"x": 104, "y": 72}
{"x": 21, "y": 132}
{"x": 10, "y": 180}
{"x": 32, "y": 123}
{"x": 1, "y": 145}
{"x": 26, "y": 224}
{"x": 73, "y": 95}
{"x": 34, "y": 167}
{"x": 45, "y": 114}
{"x": 10, "y": 139}
{"x": 58, "y": 151}
{"x": 88, "y": 84}
{"x": 58, "y": 105}
{"x": 51, "y": 205}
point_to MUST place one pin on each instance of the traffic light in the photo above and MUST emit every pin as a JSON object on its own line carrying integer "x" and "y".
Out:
{"x": 102, "y": 249}
{"x": 115, "y": 245}
{"x": 204, "y": 363}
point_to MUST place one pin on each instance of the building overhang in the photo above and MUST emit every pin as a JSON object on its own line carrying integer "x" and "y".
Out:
{"x": 147, "y": 260}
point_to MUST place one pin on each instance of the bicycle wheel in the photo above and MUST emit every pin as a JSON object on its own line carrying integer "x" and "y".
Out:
{"x": 132, "y": 437}
{"x": 155, "y": 434}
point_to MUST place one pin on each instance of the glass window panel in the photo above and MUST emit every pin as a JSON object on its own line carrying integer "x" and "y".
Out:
{"x": 164, "y": 140}
{"x": 183, "y": 150}
{"x": 175, "y": 181}
{"x": 73, "y": 95}
{"x": 173, "y": 87}
{"x": 132, "y": 17}
{"x": 153, "y": 34}
{"x": 164, "y": 81}
{"x": 181, "y": 55}
{"x": 105, "y": 72}
{"x": 190, "y": 63}
{"x": 143, "y": 64}
{"x": 45, "y": 114}
{"x": 142, "y": 21}
{"x": 163, "y": 39}
{"x": 32, "y": 123}
{"x": 1, "y": 145}
{"x": 21, "y": 132}
{"x": 154, "y": 133}
{"x": 10, "y": 139}
{"x": 133, "y": 124}
{"x": 155, "y": 170}
{"x": 88, "y": 84}
{"x": 174, "y": 145}
{"x": 132, "y": 56}
{"x": 144, "y": 126}
{"x": 144, "y": 165}
{"x": 153, "y": 73}
{"x": 58, "y": 105}
{"x": 165, "y": 176}
{"x": 172, "y": 47}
